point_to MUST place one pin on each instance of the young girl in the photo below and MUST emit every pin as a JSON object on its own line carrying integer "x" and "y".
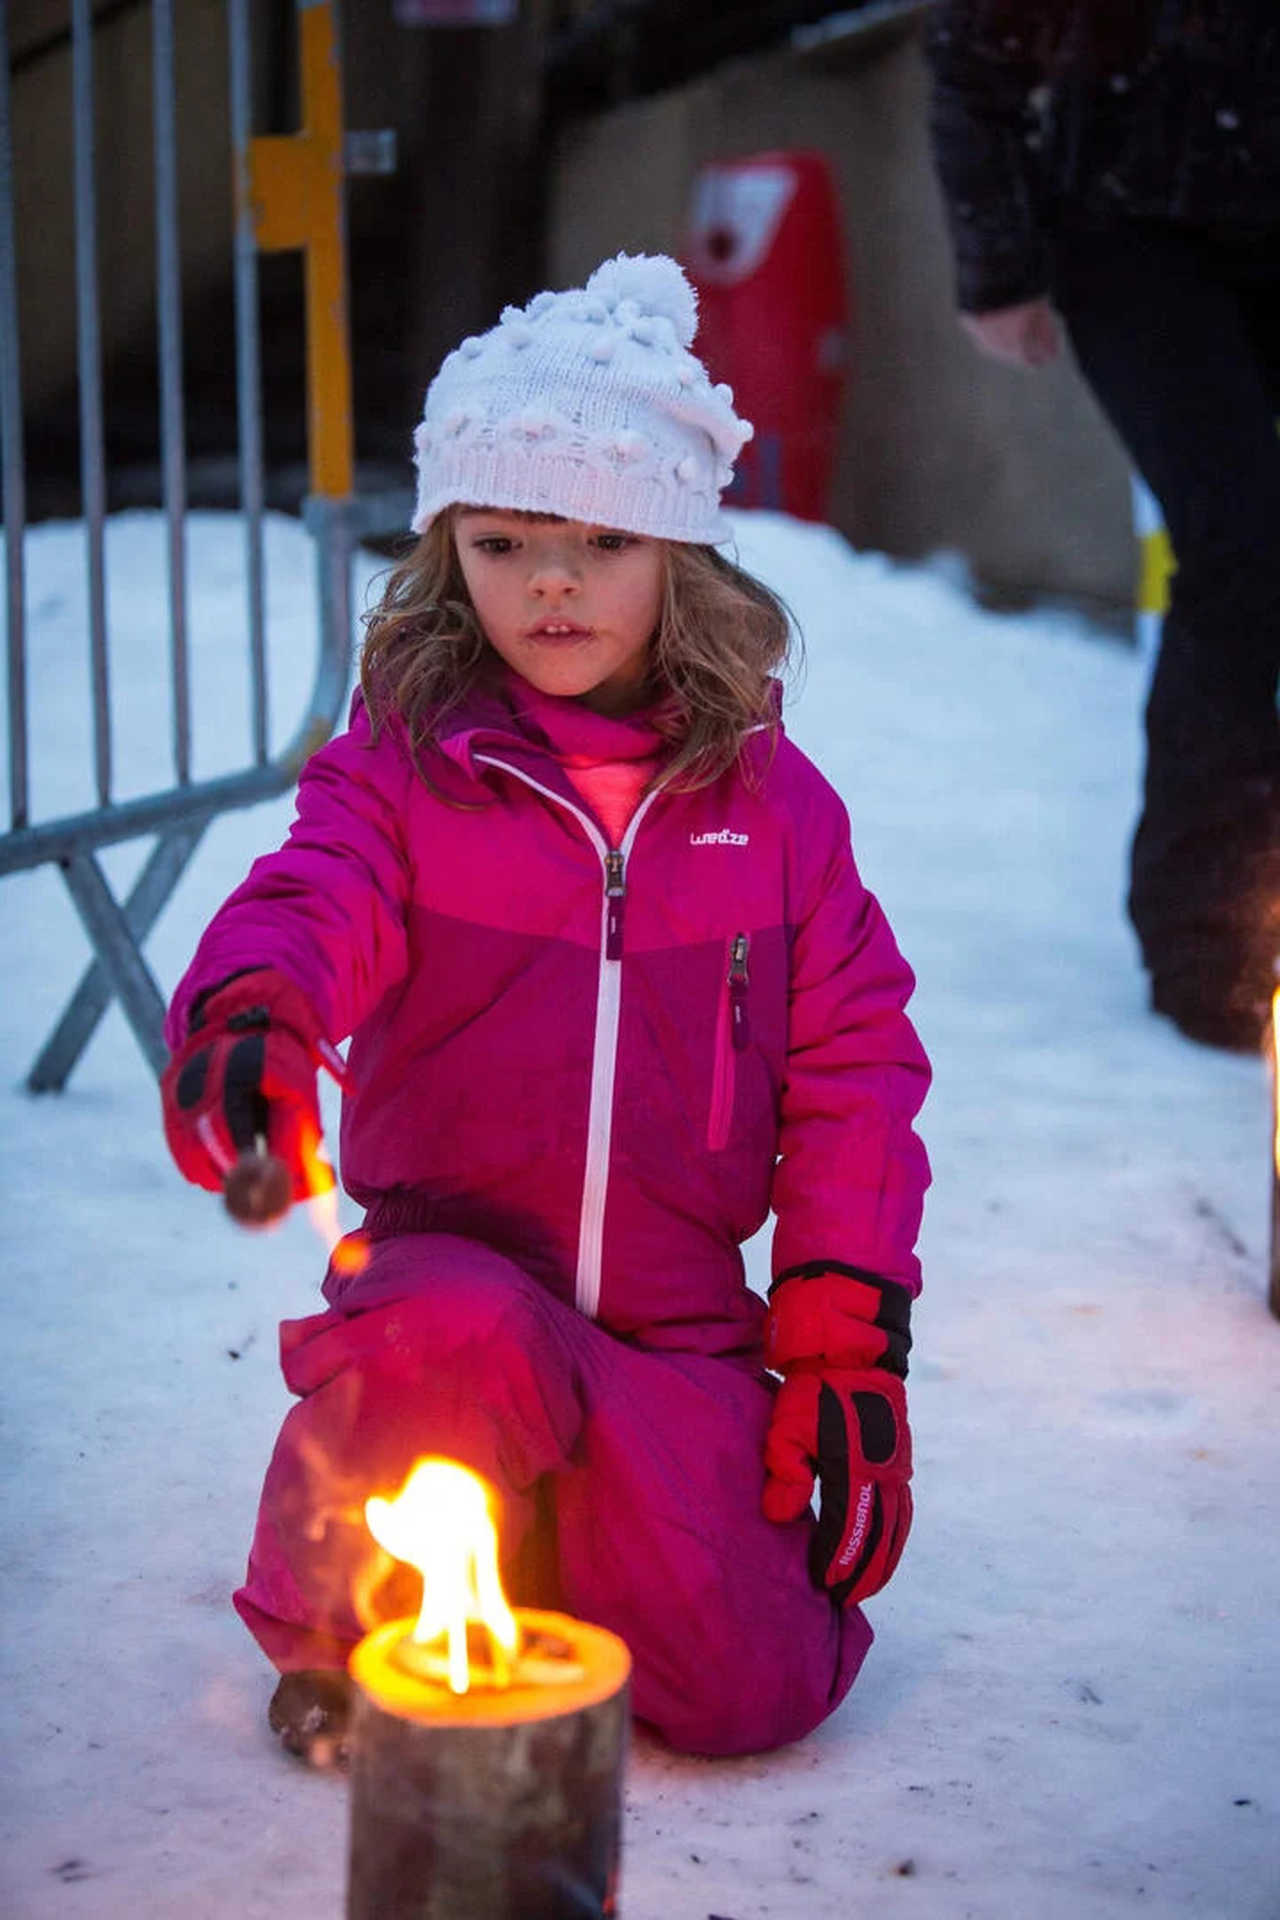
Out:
{"x": 614, "y": 991}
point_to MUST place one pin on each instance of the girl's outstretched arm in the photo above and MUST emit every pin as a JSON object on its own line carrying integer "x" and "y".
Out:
{"x": 328, "y": 909}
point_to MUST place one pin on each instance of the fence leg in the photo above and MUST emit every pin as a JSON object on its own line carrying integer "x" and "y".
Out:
{"x": 127, "y": 974}
{"x": 164, "y": 868}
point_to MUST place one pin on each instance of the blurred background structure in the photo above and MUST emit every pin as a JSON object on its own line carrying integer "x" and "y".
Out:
{"x": 533, "y": 137}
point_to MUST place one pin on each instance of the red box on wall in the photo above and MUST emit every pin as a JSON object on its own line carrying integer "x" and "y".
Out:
{"x": 765, "y": 253}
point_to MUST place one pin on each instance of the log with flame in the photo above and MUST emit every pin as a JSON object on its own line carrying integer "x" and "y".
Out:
{"x": 1273, "y": 1286}
{"x": 488, "y": 1741}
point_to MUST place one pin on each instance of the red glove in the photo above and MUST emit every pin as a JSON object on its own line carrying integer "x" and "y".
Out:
{"x": 840, "y": 1418}
{"x": 246, "y": 1074}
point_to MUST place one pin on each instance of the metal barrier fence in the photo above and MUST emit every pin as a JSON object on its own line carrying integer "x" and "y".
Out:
{"x": 289, "y": 194}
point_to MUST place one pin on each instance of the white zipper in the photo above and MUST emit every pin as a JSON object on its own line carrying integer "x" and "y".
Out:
{"x": 604, "y": 1054}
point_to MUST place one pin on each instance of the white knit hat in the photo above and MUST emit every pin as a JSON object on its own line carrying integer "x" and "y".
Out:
{"x": 588, "y": 404}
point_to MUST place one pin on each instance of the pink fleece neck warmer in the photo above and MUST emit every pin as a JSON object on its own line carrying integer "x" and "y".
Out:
{"x": 609, "y": 758}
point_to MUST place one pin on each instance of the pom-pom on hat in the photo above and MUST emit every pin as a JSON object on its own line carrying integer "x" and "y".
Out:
{"x": 586, "y": 403}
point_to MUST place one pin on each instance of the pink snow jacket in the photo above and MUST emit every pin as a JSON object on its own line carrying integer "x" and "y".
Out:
{"x": 607, "y": 1064}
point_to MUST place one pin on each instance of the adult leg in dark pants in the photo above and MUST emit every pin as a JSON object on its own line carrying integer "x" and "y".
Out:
{"x": 1178, "y": 334}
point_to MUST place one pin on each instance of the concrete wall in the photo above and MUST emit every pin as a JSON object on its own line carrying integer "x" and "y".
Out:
{"x": 940, "y": 448}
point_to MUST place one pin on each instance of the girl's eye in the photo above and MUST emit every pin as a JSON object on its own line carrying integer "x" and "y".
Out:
{"x": 614, "y": 542}
{"x": 493, "y": 543}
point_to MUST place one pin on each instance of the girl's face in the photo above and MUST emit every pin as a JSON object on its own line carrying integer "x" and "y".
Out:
{"x": 570, "y": 606}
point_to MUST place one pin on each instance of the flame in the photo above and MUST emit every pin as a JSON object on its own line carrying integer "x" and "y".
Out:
{"x": 349, "y": 1253}
{"x": 322, "y": 1209}
{"x": 442, "y": 1523}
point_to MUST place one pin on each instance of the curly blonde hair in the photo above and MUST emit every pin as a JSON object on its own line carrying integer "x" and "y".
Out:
{"x": 720, "y": 636}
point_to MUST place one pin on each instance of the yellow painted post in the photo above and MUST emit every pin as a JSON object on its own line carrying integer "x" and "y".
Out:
{"x": 1155, "y": 569}
{"x": 295, "y": 185}
{"x": 1155, "y": 554}
{"x": 1155, "y": 566}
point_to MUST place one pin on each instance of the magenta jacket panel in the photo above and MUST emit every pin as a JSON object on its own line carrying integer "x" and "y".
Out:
{"x": 608, "y": 1064}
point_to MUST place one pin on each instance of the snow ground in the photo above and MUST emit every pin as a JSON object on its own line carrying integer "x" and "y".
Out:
{"x": 1073, "y": 1705}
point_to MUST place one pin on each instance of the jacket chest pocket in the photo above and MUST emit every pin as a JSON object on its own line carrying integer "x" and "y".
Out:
{"x": 732, "y": 1035}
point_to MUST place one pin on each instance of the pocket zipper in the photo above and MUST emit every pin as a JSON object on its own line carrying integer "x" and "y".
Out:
{"x": 739, "y": 980}
{"x": 732, "y": 1036}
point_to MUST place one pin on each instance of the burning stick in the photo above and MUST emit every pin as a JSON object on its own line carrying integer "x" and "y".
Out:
{"x": 487, "y": 1745}
{"x": 258, "y": 1189}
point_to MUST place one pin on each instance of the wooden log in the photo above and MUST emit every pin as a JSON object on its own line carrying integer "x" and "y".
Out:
{"x": 494, "y": 1804}
{"x": 1273, "y": 1263}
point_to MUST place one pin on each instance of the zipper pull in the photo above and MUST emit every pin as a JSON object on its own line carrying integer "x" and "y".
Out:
{"x": 739, "y": 979}
{"x": 615, "y": 890}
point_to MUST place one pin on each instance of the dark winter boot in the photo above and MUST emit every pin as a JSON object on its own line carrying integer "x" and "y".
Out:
{"x": 1235, "y": 1017}
{"x": 1205, "y": 902}
{"x": 311, "y": 1712}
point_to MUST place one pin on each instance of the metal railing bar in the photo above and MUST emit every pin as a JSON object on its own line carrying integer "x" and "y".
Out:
{"x": 331, "y": 525}
{"x": 58, "y": 39}
{"x": 248, "y": 370}
{"x": 152, "y": 813}
{"x": 163, "y": 869}
{"x": 169, "y": 334}
{"x": 11, "y": 458}
{"x": 89, "y": 365}
{"x": 287, "y": 198}
{"x": 336, "y": 526}
{"x": 130, "y": 977}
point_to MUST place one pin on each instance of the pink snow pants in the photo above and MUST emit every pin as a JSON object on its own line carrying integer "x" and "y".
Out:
{"x": 635, "y": 1476}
